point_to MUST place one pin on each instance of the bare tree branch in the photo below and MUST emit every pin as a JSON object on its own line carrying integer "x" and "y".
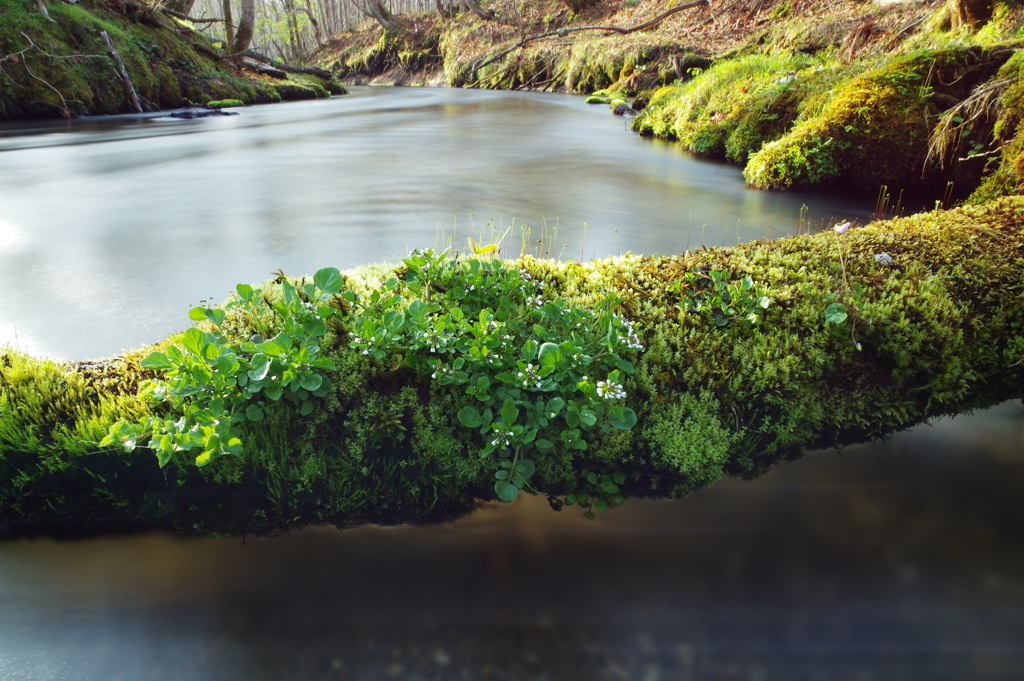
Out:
{"x": 129, "y": 88}
{"x": 186, "y": 17}
{"x": 42, "y": 10}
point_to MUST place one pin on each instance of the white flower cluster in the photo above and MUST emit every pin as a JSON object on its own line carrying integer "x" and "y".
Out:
{"x": 435, "y": 341}
{"x": 356, "y": 340}
{"x": 535, "y": 301}
{"x": 632, "y": 340}
{"x": 502, "y": 438}
{"x": 529, "y": 376}
{"x": 610, "y": 390}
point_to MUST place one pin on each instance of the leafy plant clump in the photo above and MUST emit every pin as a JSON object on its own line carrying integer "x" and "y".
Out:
{"x": 214, "y": 382}
{"x": 540, "y": 371}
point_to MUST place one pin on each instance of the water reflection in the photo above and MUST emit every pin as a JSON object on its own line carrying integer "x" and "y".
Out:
{"x": 123, "y": 224}
{"x": 894, "y": 560}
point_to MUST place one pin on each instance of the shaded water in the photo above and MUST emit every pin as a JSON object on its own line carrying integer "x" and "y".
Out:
{"x": 896, "y": 560}
{"x": 902, "y": 560}
{"x": 111, "y": 230}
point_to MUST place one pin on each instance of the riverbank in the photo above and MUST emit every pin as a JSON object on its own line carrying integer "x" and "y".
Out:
{"x": 857, "y": 336}
{"x": 61, "y": 66}
{"x": 917, "y": 96}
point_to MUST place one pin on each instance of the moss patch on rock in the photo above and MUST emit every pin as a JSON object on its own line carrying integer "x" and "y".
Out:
{"x": 945, "y": 334}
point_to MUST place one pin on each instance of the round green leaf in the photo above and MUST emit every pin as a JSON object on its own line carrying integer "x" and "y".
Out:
{"x": 310, "y": 380}
{"x": 329, "y": 280}
{"x": 253, "y": 413}
{"x": 470, "y": 417}
{"x": 505, "y": 490}
{"x": 835, "y": 313}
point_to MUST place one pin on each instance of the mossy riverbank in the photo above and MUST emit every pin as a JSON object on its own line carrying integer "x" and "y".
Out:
{"x": 941, "y": 332}
{"x": 62, "y": 67}
{"x": 808, "y": 95}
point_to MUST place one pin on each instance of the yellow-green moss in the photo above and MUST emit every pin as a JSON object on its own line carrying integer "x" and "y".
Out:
{"x": 731, "y": 108}
{"x": 945, "y": 331}
{"x": 874, "y": 130}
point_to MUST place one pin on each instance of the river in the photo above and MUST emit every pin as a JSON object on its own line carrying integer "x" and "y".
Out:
{"x": 900, "y": 559}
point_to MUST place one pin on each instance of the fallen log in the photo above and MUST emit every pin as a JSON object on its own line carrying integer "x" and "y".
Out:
{"x": 262, "y": 68}
{"x": 933, "y": 328}
{"x": 308, "y": 70}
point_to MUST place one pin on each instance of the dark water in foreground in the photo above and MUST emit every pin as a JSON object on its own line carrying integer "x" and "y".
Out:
{"x": 111, "y": 230}
{"x": 902, "y": 560}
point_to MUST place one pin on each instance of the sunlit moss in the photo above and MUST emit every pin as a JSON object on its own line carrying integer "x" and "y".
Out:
{"x": 945, "y": 335}
{"x": 874, "y": 130}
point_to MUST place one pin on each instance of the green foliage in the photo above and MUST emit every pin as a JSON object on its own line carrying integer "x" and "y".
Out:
{"x": 712, "y": 294}
{"x": 874, "y": 128}
{"x": 598, "y": 491}
{"x": 540, "y": 372}
{"x": 214, "y": 382}
{"x": 731, "y": 108}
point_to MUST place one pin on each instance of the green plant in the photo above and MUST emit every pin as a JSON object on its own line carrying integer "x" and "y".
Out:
{"x": 597, "y": 491}
{"x": 543, "y": 373}
{"x": 212, "y": 381}
{"x": 725, "y": 302}
{"x": 846, "y": 304}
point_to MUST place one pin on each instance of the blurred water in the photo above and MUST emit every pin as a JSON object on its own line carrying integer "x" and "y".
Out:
{"x": 902, "y": 560}
{"x": 111, "y": 229}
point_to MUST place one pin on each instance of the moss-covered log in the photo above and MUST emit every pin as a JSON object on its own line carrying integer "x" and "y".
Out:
{"x": 941, "y": 331}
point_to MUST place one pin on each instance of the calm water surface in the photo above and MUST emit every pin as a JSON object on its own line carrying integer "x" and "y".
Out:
{"x": 898, "y": 560}
{"x": 111, "y": 230}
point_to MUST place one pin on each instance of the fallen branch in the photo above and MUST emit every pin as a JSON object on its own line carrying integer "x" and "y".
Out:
{"x": 42, "y": 10}
{"x": 613, "y": 29}
{"x": 129, "y": 88}
{"x": 185, "y": 17}
{"x": 310, "y": 70}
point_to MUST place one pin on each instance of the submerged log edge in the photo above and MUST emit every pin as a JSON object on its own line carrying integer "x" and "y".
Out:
{"x": 945, "y": 336}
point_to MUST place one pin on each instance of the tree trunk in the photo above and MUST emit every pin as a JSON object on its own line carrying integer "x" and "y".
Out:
{"x": 182, "y": 6}
{"x": 376, "y": 9}
{"x": 970, "y": 13}
{"x": 229, "y": 26}
{"x": 474, "y": 7}
{"x": 246, "y": 24}
{"x": 316, "y": 24}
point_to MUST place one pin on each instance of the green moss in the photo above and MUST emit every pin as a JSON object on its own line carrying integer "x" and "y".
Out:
{"x": 224, "y": 103}
{"x": 946, "y": 323}
{"x": 732, "y": 108}
{"x": 168, "y": 68}
{"x": 874, "y": 130}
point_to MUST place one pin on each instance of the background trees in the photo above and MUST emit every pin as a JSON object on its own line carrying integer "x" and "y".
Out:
{"x": 293, "y": 29}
